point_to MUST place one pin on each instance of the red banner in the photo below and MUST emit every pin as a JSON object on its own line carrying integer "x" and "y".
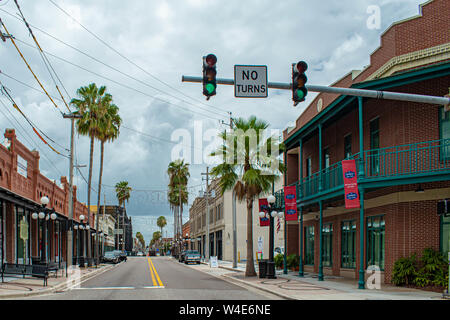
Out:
{"x": 290, "y": 203}
{"x": 350, "y": 184}
{"x": 263, "y": 204}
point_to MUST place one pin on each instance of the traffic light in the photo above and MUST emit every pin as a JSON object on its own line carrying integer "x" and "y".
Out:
{"x": 209, "y": 75}
{"x": 299, "y": 79}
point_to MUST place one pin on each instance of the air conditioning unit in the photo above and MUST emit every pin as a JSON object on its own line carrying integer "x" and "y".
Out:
{"x": 443, "y": 207}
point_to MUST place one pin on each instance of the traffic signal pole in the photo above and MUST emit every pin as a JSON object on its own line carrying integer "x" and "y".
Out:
{"x": 345, "y": 91}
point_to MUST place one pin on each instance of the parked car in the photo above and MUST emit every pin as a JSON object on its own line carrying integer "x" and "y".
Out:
{"x": 139, "y": 254}
{"x": 278, "y": 250}
{"x": 122, "y": 255}
{"x": 192, "y": 256}
{"x": 110, "y": 257}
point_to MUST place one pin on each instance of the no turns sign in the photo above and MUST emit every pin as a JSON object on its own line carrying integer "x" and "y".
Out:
{"x": 250, "y": 81}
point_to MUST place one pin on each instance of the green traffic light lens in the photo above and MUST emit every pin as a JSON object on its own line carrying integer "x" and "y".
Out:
{"x": 210, "y": 87}
{"x": 300, "y": 94}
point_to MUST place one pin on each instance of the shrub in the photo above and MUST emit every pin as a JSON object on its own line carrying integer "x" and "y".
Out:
{"x": 292, "y": 261}
{"x": 404, "y": 271}
{"x": 279, "y": 259}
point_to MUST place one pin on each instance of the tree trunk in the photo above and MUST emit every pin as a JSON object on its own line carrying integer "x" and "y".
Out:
{"x": 250, "y": 265}
{"x": 102, "y": 148}
{"x": 91, "y": 157}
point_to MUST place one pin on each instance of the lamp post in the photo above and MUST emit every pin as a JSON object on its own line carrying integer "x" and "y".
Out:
{"x": 275, "y": 211}
{"x": 81, "y": 228}
{"x": 44, "y": 215}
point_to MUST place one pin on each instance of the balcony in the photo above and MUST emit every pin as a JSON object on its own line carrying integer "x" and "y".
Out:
{"x": 424, "y": 161}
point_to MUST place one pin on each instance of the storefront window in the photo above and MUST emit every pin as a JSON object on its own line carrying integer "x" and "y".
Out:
{"x": 348, "y": 235}
{"x": 445, "y": 235}
{"x": 22, "y": 236}
{"x": 444, "y": 127}
{"x": 309, "y": 245}
{"x": 327, "y": 242}
{"x": 2, "y": 241}
{"x": 375, "y": 241}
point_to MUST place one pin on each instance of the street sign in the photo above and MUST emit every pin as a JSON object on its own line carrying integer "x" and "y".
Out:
{"x": 260, "y": 244}
{"x": 118, "y": 231}
{"x": 214, "y": 263}
{"x": 250, "y": 81}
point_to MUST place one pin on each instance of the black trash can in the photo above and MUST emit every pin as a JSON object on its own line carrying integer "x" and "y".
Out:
{"x": 262, "y": 266}
{"x": 271, "y": 270}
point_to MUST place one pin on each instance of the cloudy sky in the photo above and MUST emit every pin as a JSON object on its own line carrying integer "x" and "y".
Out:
{"x": 140, "y": 49}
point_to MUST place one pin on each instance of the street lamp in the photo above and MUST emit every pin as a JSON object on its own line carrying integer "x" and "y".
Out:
{"x": 44, "y": 214}
{"x": 275, "y": 211}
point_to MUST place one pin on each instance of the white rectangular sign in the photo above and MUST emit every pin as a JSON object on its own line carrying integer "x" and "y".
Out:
{"x": 250, "y": 81}
{"x": 22, "y": 166}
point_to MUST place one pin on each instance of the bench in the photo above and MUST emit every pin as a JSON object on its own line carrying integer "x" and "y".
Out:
{"x": 38, "y": 271}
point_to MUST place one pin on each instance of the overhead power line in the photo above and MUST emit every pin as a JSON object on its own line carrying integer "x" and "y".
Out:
{"x": 121, "y": 84}
{"x": 127, "y": 59}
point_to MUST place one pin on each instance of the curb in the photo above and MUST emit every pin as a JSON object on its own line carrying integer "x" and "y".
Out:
{"x": 251, "y": 284}
{"x": 57, "y": 287}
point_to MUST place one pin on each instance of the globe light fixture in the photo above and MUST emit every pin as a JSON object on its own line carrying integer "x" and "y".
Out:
{"x": 281, "y": 214}
{"x": 273, "y": 214}
{"x": 41, "y": 215}
{"x": 262, "y": 214}
{"x": 75, "y": 227}
{"x": 53, "y": 216}
{"x": 44, "y": 200}
{"x": 271, "y": 199}
{"x": 81, "y": 217}
{"x": 34, "y": 215}
{"x": 87, "y": 227}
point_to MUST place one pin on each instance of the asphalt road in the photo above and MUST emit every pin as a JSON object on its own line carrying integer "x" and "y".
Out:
{"x": 157, "y": 278}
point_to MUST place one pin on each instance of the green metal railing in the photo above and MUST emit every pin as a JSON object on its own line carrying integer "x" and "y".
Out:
{"x": 410, "y": 159}
{"x": 422, "y": 158}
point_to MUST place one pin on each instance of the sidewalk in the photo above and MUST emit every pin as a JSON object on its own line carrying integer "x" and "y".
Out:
{"x": 16, "y": 288}
{"x": 291, "y": 286}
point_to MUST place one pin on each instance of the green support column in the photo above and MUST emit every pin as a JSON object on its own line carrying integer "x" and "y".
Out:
{"x": 361, "y": 138}
{"x": 285, "y": 225}
{"x": 320, "y": 157}
{"x": 320, "y": 241}
{"x": 300, "y": 269}
{"x": 361, "y": 284}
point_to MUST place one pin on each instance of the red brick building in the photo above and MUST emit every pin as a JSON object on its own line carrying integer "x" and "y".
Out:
{"x": 402, "y": 154}
{"x": 21, "y": 188}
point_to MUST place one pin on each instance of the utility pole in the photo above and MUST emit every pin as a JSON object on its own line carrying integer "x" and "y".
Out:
{"x": 234, "y": 222}
{"x": 69, "y": 261}
{"x": 207, "y": 249}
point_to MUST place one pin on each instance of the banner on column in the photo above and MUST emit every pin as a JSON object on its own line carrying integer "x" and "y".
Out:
{"x": 350, "y": 184}
{"x": 263, "y": 204}
{"x": 290, "y": 203}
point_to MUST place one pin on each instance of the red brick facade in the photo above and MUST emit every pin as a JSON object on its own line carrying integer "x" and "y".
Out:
{"x": 411, "y": 220}
{"x": 29, "y": 190}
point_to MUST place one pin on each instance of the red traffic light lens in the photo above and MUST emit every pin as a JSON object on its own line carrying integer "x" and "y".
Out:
{"x": 211, "y": 60}
{"x": 302, "y": 66}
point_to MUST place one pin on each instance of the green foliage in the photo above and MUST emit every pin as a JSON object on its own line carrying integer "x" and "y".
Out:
{"x": 431, "y": 269}
{"x": 279, "y": 260}
{"x": 292, "y": 261}
{"x": 404, "y": 270}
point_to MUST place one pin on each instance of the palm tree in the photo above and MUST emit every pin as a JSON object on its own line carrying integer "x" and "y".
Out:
{"x": 161, "y": 223}
{"x": 89, "y": 107}
{"x": 123, "y": 193}
{"x": 109, "y": 131}
{"x": 246, "y": 170}
{"x": 178, "y": 172}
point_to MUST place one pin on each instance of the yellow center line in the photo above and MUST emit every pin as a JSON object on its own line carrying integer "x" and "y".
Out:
{"x": 156, "y": 273}
{"x": 151, "y": 271}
